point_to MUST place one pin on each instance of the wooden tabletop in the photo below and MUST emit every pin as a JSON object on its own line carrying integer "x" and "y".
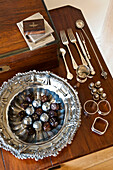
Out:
{"x": 85, "y": 141}
{"x": 10, "y": 14}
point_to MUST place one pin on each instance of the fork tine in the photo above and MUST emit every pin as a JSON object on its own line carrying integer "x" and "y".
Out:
{"x": 66, "y": 42}
{"x": 71, "y": 35}
{"x": 73, "y": 40}
{"x": 63, "y": 37}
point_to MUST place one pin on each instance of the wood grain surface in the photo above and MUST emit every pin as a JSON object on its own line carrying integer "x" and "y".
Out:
{"x": 12, "y": 13}
{"x": 14, "y": 51}
{"x": 85, "y": 141}
{"x": 101, "y": 160}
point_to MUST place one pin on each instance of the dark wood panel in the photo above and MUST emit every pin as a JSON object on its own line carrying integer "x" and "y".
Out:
{"x": 14, "y": 52}
{"x": 42, "y": 59}
{"x": 12, "y": 163}
{"x": 85, "y": 141}
{"x": 11, "y": 13}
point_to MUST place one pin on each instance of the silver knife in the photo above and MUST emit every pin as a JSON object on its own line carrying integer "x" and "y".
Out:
{"x": 85, "y": 55}
{"x": 81, "y": 45}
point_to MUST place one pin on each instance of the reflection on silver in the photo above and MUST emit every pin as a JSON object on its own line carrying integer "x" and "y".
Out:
{"x": 46, "y": 106}
{"x": 44, "y": 117}
{"x": 96, "y": 96}
{"x": 93, "y": 91}
{"x": 27, "y": 120}
{"x": 100, "y": 90}
{"x": 82, "y": 73}
{"x": 103, "y": 96}
{"x": 91, "y": 85}
{"x": 37, "y": 125}
{"x": 30, "y": 110}
{"x": 56, "y": 140}
{"x": 98, "y": 84}
{"x": 36, "y": 103}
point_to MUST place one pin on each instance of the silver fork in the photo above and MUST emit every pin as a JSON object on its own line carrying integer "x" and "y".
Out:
{"x": 66, "y": 42}
{"x": 73, "y": 40}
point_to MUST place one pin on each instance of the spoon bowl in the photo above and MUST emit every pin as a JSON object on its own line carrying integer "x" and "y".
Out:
{"x": 80, "y": 24}
{"x": 63, "y": 51}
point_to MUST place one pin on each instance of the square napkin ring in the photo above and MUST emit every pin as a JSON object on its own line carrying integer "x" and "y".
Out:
{"x": 97, "y": 130}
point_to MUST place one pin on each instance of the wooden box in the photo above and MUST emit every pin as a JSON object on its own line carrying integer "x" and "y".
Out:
{"x": 15, "y": 55}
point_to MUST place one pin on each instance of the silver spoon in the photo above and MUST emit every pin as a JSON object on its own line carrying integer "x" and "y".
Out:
{"x": 69, "y": 75}
{"x": 80, "y": 24}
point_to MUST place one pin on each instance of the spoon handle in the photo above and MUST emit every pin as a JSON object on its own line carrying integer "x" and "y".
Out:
{"x": 87, "y": 59}
{"x": 75, "y": 66}
{"x": 69, "y": 75}
{"x": 103, "y": 73}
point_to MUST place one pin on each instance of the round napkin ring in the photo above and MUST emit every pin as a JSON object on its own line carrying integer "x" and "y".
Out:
{"x": 90, "y": 107}
{"x": 104, "y": 107}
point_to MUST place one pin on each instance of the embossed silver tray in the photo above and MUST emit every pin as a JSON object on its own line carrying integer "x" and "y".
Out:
{"x": 15, "y": 134}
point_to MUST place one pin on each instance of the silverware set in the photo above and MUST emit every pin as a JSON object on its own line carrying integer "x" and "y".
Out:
{"x": 80, "y": 43}
{"x": 86, "y": 69}
{"x": 80, "y": 25}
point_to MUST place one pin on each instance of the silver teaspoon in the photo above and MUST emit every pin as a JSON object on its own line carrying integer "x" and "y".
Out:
{"x": 80, "y": 24}
{"x": 69, "y": 75}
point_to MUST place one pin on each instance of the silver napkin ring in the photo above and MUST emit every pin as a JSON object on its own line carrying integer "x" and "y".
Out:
{"x": 99, "y": 132}
{"x": 92, "y": 105}
{"x": 104, "y": 107}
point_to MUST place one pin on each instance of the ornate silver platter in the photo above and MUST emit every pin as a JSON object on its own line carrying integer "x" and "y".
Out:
{"x": 39, "y": 114}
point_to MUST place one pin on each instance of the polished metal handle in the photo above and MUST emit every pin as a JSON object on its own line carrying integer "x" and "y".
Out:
{"x": 66, "y": 42}
{"x": 75, "y": 66}
{"x": 87, "y": 59}
{"x": 81, "y": 56}
{"x": 84, "y": 42}
{"x": 69, "y": 75}
{"x": 73, "y": 40}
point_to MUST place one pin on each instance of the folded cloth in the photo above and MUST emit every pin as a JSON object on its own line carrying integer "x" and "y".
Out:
{"x": 49, "y": 38}
{"x": 107, "y": 38}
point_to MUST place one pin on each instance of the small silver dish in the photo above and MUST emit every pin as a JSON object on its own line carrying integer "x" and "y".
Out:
{"x": 82, "y": 73}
